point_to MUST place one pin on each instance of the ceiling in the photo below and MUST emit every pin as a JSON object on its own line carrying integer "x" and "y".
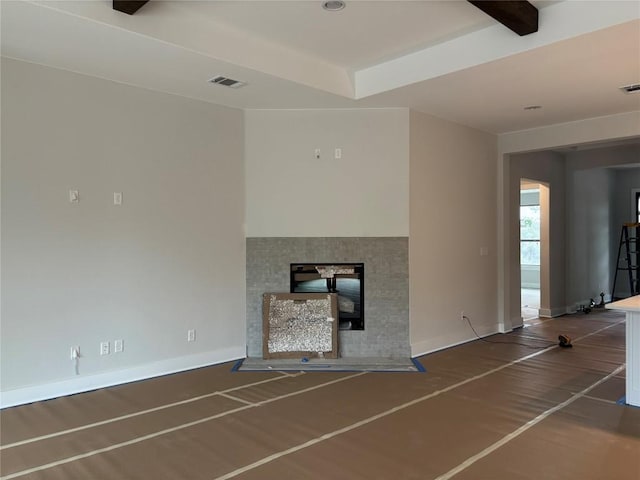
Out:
{"x": 446, "y": 58}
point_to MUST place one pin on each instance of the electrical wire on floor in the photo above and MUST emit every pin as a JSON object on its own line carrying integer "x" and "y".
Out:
{"x": 541, "y": 347}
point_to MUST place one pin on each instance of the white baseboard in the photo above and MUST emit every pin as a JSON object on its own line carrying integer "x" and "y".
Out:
{"x": 441, "y": 343}
{"x": 516, "y": 322}
{"x": 554, "y": 312}
{"x": 20, "y": 396}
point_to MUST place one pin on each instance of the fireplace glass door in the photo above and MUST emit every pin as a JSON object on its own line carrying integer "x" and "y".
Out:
{"x": 345, "y": 279}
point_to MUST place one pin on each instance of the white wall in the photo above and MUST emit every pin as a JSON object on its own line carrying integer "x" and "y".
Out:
{"x": 581, "y": 132}
{"x": 449, "y": 213}
{"x": 290, "y": 193}
{"x": 453, "y": 218}
{"x": 171, "y": 258}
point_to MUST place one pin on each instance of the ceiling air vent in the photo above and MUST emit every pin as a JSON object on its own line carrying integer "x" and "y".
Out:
{"x": 635, "y": 88}
{"x": 227, "y": 82}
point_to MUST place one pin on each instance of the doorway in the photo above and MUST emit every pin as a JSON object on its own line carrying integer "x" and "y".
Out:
{"x": 530, "y": 218}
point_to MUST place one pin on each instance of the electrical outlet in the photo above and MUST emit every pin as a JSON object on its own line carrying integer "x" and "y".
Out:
{"x": 75, "y": 352}
{"x": 104, "y": 348}
{"x": 118, "y": 345}
{"x": 191, "y": 335}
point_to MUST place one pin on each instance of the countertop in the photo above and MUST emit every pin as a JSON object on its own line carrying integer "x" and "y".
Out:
{"x": 631, "y": 304}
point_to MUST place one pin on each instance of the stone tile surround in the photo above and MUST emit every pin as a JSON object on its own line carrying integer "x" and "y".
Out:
{"x": 386, "y": 295}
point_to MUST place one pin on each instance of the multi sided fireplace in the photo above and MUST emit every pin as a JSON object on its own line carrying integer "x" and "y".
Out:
{"x": 345, "y": 279}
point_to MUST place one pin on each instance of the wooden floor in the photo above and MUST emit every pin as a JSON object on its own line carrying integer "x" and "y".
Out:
{"x": 481, "y": 411}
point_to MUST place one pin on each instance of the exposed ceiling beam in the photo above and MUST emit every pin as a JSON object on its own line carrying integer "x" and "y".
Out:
{"x": 128, "y": 6}
{"x": 517, "y": 15}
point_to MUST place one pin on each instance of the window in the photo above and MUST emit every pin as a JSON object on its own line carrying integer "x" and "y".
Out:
{"x": 530, "y": 235}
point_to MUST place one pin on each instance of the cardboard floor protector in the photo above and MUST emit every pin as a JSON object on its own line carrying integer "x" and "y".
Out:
{"x": 353, "y": 426}
{"x": 588, "y": 440}
{"x": 41, "y": 418}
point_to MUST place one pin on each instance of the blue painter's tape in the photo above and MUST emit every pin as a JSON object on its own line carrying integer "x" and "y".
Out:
{"x": 237, "y": 365}
{"x": 418, "y": 365}
{"x": 623, "y": 401}
{"x": 306, "y": 365}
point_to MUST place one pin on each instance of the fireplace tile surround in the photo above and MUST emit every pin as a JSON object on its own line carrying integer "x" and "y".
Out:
{"x": 386, "y": 295}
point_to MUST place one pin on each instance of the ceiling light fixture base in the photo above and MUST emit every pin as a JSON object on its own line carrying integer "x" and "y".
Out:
{"x": 333, "y": 5}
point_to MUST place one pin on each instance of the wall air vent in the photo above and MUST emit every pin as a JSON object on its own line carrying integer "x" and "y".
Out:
{"x": 635, "y": 88}
{"x": 227, "y": 82}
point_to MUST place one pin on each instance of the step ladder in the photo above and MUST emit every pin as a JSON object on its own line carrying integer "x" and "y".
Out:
{"x": 628, "y": 256}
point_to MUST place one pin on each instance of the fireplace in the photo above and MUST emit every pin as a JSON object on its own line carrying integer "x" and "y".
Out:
{"x": 345, "y": 279}
{"x": 384, "y": 299}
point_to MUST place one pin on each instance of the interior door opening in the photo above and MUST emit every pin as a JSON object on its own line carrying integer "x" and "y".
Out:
{"x": 535, "y": 268}
{"x": 529, "y": 251}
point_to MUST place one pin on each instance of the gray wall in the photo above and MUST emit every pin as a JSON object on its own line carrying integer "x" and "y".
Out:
{"x": 589, "y": 227}
{"x": 625, "y": 181}
{"x": 171, "y": 258}
{"x": 611, "y": 128}
{"x": 584, "y": 229}
{"x": 598, "y": 202}
{"x": 547, "y": 168}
